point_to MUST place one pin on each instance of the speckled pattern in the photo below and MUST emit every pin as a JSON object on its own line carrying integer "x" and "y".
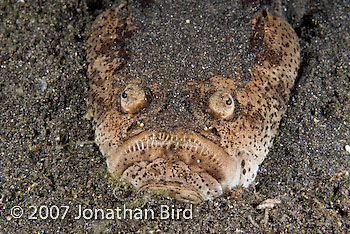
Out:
{"x": 208, "y": 138}
{"x": 48, "y": 158}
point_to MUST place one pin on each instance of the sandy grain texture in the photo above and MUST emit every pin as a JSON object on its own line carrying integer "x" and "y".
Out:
{"x": 47, "y": 160}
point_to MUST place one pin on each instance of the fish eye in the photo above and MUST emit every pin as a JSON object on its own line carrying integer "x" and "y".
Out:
{"x": 124, "y": 94}
{"x": 132, "y": 99}
{"x": 221, "y": 105}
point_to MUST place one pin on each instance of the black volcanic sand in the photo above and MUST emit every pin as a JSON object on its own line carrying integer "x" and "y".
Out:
{"x": 48, "y": 160}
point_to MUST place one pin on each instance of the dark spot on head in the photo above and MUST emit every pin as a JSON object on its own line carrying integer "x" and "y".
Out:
{"x": 242, "y": 163}
{"x": 215, "y": 131}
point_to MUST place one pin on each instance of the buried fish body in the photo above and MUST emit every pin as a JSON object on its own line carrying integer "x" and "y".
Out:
{"x": 196, "y": 139}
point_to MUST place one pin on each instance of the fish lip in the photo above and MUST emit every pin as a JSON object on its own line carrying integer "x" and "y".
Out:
{"x": 182, "y": 194}
{"x": 212, "y": 158}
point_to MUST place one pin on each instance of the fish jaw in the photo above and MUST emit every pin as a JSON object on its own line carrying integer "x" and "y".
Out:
{"x": 183, "y": 164}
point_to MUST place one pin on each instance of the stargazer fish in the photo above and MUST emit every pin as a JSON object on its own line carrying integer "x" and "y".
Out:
{"x": 197, "y": 139}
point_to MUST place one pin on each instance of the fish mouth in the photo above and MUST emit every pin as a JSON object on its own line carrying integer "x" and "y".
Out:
{"x": 184, "y": 164}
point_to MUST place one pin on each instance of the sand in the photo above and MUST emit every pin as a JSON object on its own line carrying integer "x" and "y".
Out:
{"x": 50, "y": 167}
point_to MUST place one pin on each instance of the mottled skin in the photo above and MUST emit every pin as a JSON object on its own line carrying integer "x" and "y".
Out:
{"x": 194, "y": 139}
